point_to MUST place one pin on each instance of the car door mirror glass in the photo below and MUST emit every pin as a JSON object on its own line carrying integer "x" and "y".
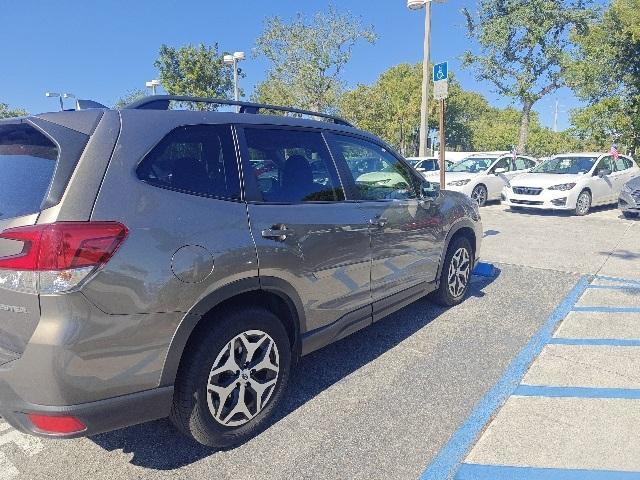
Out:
{"x": 430, "y": 189}
{"x": 499, "y": 171}
{"x": 603, "y": 172}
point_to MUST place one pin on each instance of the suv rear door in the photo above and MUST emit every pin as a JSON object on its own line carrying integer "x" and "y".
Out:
{"x": 407, "y": 233}
{"x": 307, "y": 235}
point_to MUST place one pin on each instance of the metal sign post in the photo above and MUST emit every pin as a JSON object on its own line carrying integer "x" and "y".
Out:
{"x": 440, "y": 92}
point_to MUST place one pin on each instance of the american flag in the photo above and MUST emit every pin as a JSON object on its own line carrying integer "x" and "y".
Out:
{"x": 614, "y": 152}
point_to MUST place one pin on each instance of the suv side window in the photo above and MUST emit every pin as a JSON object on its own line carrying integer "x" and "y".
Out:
{"x": 502, "y": 163}
{"x": 195, "y": 159}
{"x": 628, "y": 163}
{"x": 605, "y": 164}
{"x": 523, "y": 163}
{"x": 620, "y": 164}
{"x": 377, "y": 174}
{"x": 292, "y": 166}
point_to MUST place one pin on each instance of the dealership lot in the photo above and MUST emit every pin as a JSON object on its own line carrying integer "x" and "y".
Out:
{"x": 384, "y": 402}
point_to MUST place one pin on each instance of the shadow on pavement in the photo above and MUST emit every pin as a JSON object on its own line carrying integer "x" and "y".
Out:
{"x": 622, "y": 254}
{"x": 157, "y": 445}
{"x": 558, "y": 213}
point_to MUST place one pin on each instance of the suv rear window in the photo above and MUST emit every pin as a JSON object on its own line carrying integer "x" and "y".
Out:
{"x": 196, "y": 159}
{"x": 27, "y": 162}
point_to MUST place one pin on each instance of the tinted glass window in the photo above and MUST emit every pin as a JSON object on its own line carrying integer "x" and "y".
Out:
{"x": 292, "y": 166}
{"x": 377, "y": 173}
{"x": 503, "y": 163}
{"x": 27, "y": 163}
{"x": 196, "y": 159}
{"x": 628, "y": 163}
{"x": 523, "y": 163}
{"x": 620, "y": 164}
{"x": 606, "y": 164}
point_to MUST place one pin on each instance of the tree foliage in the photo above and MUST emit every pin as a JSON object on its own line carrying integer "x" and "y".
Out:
{"x": 524, "y": 48}
{"x": 195, "y": 70}
{"x": 606, "y": 73}
{"x": 130, "y": 97}
{"x": 6, "y": 112}
{"x": 308, "y": 57}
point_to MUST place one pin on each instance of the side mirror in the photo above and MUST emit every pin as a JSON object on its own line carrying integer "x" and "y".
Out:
{"x": 499, "y": 171}
{"x": 603, "y": 172}
{"x": 430, "y": 189}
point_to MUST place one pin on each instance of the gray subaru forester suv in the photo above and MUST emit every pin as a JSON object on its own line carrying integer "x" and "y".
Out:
{"x": 158, "y": 262}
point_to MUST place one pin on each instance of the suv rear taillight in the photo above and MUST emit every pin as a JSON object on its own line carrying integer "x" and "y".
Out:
{"x": 57, "y": 257}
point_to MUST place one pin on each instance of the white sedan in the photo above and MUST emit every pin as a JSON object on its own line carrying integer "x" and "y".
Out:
{"x": 574, "y": 181}
{"x": 482, "y": 177}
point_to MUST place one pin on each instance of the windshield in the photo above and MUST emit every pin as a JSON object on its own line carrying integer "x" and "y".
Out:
{"x": 472, "y": 165}
{"x": 27, "y": 164}
{"x": 566, "y": 165}
{"x": 413, "y": 163}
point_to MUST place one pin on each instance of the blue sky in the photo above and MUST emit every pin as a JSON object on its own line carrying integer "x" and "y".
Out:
{"x": 101, "y": 50}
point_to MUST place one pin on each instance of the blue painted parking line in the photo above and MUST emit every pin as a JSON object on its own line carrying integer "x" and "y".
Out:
{"x": 607, "y": 309}
{"x": 629, "y": 287}
{"x": 609, "y": 342}
{"x": 576, "y": 392}
{"x": 452, "y": 454}
{"x": 472, "y": 471}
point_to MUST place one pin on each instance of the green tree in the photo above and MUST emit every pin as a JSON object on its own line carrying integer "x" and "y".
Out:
{"x": 195, "y": 70}
{"x": 307, "y": 58}
{"x": 130, "y": 97}
{"x": 524, "y": 48}
{"x": 606, "y": 73}
{"x": 6, "y": 112}
{"x": 390, "y": 108}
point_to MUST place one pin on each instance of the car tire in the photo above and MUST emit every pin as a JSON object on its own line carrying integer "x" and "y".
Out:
{"x": 198, "y": 410}
{"x": 583, "y": 203}
{"x": 630, "y": 215}
{"x": 480, "y": 195}
{"x": 456, "y": 273}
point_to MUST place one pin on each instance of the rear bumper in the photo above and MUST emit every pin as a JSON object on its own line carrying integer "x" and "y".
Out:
{"x": 100, "y": 416}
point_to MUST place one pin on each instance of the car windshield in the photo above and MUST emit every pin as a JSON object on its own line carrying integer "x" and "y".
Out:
{"x": 566, "y": 165}
{"x": 472, "y": 165}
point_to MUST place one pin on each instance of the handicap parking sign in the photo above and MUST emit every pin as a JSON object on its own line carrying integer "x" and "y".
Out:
{"x": 440, "y": 71}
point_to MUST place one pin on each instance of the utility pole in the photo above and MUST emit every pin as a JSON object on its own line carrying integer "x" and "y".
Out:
{"x": 424, "y": 106}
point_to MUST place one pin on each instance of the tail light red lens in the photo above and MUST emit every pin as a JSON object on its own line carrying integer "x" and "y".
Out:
{"x": 63, "y": 245}
{"x": 59, "y": 425}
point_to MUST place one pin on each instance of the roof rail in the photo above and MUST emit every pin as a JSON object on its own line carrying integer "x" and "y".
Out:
{"x": 161, "y": 102}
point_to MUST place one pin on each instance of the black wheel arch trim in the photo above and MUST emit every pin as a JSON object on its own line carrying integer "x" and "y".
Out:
{"x": 190, "y": 321}
{"x": 455, "y": 228}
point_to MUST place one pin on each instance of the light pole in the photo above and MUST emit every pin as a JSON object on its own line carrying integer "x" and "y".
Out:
{"x": 60, "y": 96}
{"x": 153, "y": 84}
{"x": 424, "y": 108}
{"x": 233, "y": 60}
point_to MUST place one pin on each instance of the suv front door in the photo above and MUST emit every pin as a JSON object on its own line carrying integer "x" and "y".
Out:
{"x": 407, "y": 232}
{"x": 307, "y": 236}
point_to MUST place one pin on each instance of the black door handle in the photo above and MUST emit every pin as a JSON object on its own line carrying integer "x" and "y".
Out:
{"x": 276, "y": 232}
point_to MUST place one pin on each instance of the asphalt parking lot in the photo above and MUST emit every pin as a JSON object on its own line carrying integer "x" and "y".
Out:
{"x": 384, "y": 402}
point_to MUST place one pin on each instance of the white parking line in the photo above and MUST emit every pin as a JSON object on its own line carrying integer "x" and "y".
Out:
{"x": 28, "y": 444}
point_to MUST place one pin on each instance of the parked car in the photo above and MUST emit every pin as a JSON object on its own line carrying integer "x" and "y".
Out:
{"x": 482, "y": 177}
{"x": 629, "y": 200}
{"x": 573, "y": 181}
{"x": 151, "y": 267}
{"x": 427, "y": 164}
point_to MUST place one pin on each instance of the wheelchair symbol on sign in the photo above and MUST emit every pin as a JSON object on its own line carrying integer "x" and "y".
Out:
{"x": 440, "y": 74}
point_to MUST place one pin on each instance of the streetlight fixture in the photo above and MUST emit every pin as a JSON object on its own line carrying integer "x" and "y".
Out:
{"x": 60, "y": 96}
{"x": 424, "y": 108}
{"x": 153, "y": 84}
{"x": 233, "y": 60}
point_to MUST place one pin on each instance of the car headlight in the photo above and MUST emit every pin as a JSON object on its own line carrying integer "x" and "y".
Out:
{"x": 563, "y": 187}
{"x": 459, "y": 183}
